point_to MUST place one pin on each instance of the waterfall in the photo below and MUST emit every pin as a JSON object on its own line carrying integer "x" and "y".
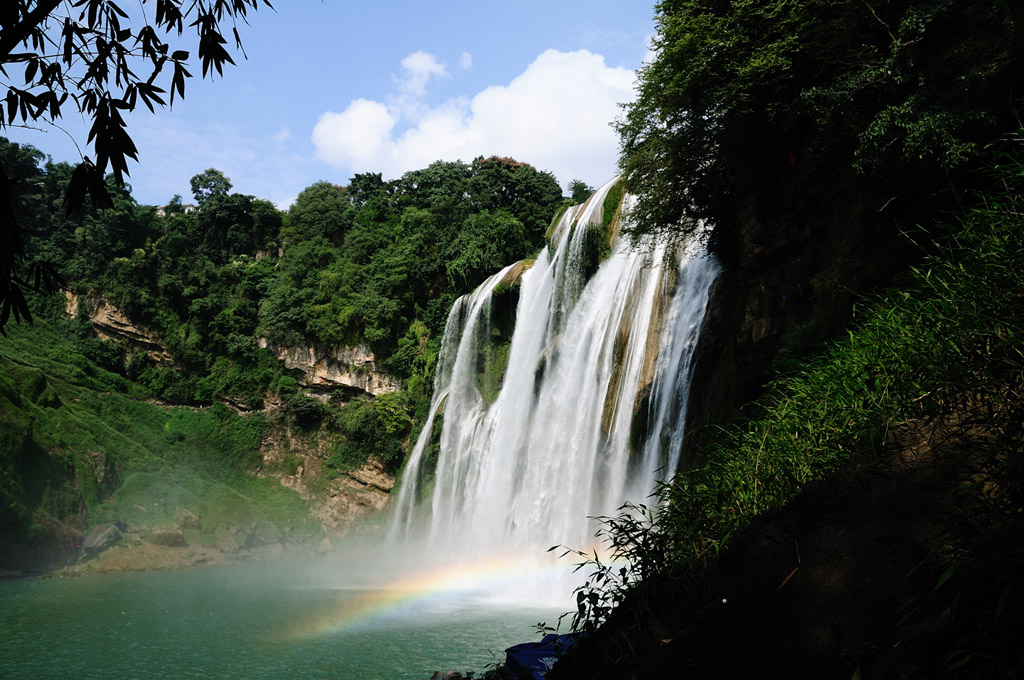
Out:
{"x": 590, "y": 405}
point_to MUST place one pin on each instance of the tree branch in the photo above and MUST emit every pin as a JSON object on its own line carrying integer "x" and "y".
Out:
{"x": 19, "y": 32}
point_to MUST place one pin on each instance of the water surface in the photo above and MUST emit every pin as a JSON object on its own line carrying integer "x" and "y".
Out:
{"x": 247, "y": 622}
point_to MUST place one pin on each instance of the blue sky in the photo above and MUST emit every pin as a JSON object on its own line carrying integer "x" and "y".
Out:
{"x": 332, "y": 88}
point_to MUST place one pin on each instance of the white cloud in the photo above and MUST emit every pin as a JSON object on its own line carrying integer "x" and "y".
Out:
{"x": 359, "y": 134}
{"x": 556, "y": 116}
{"x": 419, "y": 68}
{"x": 465, "y": 60}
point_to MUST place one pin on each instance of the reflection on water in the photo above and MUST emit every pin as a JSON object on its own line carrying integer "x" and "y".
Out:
{"x": 251, "y": 622}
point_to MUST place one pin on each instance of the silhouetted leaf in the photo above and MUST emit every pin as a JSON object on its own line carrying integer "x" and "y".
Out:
{"x": 74, "y": 196}
{"x": 14, "y": 303}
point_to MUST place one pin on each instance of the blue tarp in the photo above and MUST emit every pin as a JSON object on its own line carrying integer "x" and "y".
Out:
{"x": 533, "y": 660}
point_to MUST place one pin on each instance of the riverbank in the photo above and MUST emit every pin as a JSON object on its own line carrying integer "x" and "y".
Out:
{"x": 138, "y": 555}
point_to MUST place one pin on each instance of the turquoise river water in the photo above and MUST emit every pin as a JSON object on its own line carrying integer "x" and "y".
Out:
{"x": 247, "y": 622}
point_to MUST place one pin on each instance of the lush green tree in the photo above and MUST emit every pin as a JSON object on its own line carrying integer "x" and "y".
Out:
{"x": 80, "y": 244}
{"x": 526, "y": 192}
{"x": 372, "y": 429}
{"x": 110, "y": 233}
{"x": 579, "y": 191}
{"x": 742, "y": 92}
{"x": 375, "y": 263}
{"x": 21, "y": 163}
{"x": 20, "y": 203}
{"x": 208, "y": 184}
{"x": 235, "y": 224}
{"x": 321, "y": 209}
{"x": 431, "y": 235}
{"x": 440, "y": 188}
{"x": 487, "y": 242}
{"x": 366, "y": 186}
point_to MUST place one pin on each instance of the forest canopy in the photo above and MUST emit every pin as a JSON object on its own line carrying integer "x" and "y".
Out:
{"x": 375, "y": 263}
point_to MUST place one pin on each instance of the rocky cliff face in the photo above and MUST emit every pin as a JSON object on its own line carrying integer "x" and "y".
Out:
{"x": 336, "y": 499}
{"x": 347, "y": 368}
{"x": 111, "y": 324}
{"x": 295, "y": 458}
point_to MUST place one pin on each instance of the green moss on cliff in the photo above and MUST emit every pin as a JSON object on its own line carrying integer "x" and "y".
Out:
{"x": 492, "y": 360}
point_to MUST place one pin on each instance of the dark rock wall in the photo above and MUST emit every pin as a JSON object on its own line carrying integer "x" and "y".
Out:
{"x": 797, "y": 253}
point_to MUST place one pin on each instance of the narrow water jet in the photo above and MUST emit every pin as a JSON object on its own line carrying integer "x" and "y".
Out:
{"x": 590, "y": 411}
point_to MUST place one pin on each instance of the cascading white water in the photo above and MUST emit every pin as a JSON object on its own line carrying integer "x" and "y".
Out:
{"x": 591, "y": 407}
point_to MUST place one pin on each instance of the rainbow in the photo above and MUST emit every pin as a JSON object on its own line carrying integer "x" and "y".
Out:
{"x": 496, "y": 575}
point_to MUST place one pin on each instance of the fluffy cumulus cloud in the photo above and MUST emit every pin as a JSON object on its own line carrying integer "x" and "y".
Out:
{"x": 356, "y": 137}
{"x": 556, "y": 115}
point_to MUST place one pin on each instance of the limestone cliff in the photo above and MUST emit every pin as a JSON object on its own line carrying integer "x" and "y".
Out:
{"x": 352, "y": 369}
{"x": 337, "y": 503}
{"x": 347, "y": 368}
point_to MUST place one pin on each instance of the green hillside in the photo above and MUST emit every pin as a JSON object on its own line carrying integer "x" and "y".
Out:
{"x": 81, "y": 446}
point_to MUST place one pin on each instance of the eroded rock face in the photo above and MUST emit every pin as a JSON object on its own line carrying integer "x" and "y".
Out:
{"x": 351, "y": 496}
{"x": 514, "y": 276}
{"x": 352, "y": 368}
{"x": 188, "y": 520}
{"x": 349, "y": 368}
{"x": 334, "y": 500}
{"x": 111, "y": 324}
{"x": 372, "y": 474}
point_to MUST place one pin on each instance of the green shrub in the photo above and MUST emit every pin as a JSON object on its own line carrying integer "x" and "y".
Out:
{"x": 306, "y": 410}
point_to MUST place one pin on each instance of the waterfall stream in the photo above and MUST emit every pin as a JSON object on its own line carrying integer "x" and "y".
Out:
{"x": 577, "y": 409}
